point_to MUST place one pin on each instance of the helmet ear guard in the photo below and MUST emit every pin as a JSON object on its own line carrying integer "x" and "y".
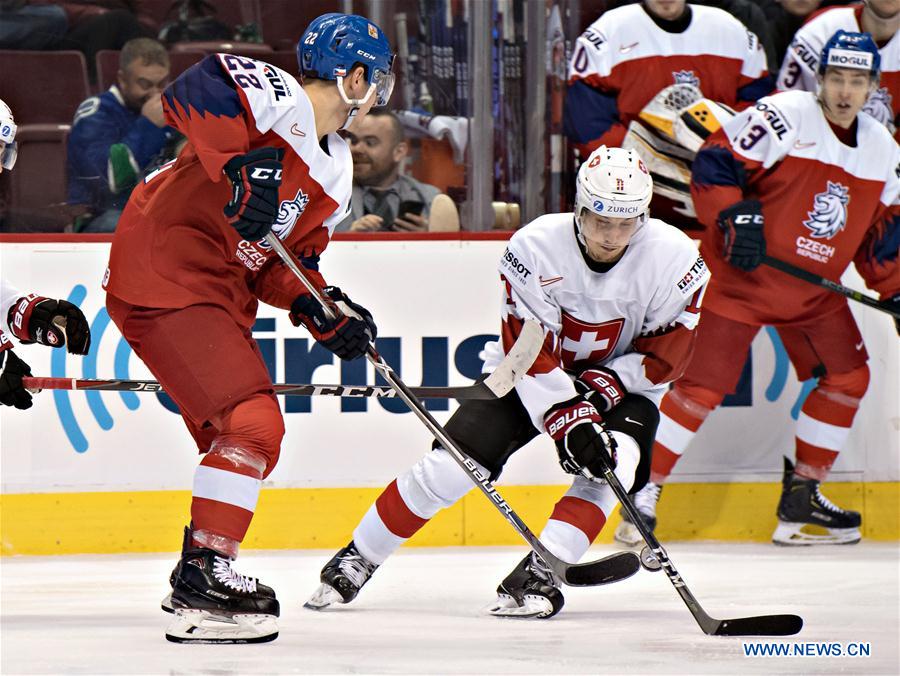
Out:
{"x": 613, "y": 182}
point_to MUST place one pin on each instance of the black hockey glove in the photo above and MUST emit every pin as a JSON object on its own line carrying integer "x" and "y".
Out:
{"x": 255, "y": 178}
{"x": 581, "y": 440}
{"x": 602, "y": 387}
{"x": 35, "y": 319}
{"x": 745, "y": 243}
{"x": 349, "y": 335}
{"x": 12, "y": 370}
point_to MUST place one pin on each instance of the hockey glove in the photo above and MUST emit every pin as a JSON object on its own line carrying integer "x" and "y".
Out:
{"x": 745, "y": 243}
{"x": 12, "y": 370}
{"x": 581, "y": 440}
{"x": 348, "y": 335}
{"x": 255, "y": 178}
{"x": 602, "y": 387}
{"x": 35, "y": 319}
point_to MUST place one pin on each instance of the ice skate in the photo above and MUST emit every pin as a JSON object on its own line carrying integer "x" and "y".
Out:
{"x": 645, "y": 502}
{"x": 213, "y": 603}
{"x": 530, "y": 591}
{"x": 342, "y": 578}
{"x": 803, "y": 508}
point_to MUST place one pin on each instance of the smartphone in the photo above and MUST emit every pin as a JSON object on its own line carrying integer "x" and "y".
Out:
{"x": 410, "y": 207}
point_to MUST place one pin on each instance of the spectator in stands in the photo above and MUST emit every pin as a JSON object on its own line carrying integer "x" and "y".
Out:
{"x": 117, "y": 135}
{"x": 24, "y": 25}
{"x": 384, "y": 199}
{"x": 784, "y": 18}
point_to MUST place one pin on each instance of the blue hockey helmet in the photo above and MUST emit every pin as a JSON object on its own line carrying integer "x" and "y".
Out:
{"x": 334, "y": 43}
{"x": 851, "y": 50}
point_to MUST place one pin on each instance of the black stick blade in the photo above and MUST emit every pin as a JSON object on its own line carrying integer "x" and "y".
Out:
{"x": 613, "y": 568}
{"x": 764, "y": 625}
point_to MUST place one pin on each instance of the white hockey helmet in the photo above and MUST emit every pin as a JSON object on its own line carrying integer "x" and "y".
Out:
{"x": 615, "y": 183}
{"x": 7, "y": 137}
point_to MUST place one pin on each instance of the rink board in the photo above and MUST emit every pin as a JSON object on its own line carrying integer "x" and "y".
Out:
{"x": 110, "y": 472}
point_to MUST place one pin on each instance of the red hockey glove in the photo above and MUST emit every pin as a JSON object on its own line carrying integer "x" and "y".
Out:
{"x": 602, "y": 387}
{"x": 12, "y": 370}
{"x": 745, "y": 243}
{"x": 255, "y": 178}
{"x": 348, "y": 335}
{"x": 35, "y": 319}
{"x": 581, "y": 440}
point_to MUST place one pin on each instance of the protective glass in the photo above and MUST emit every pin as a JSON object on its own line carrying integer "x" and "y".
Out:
{"x": 384, "y": 86}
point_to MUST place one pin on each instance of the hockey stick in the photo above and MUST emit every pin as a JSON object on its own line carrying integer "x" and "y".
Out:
{"x": 490, "y": 388}
{"x": 609, "y": 569}
{"x": 813, "y": 278}
{"x": 761, "y": 625}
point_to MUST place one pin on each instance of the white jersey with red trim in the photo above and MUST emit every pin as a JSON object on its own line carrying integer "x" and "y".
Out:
{"x": 9, "y": 294}
{"x": 801, "y": 62}
{"x": 637, "y": 317}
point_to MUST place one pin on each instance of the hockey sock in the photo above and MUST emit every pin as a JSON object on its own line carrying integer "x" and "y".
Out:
{"x": 433, "y": 483}
{"x": 682, "y": 412}
{"x": 825, "y": 421}
{"x": 580, "y": 515}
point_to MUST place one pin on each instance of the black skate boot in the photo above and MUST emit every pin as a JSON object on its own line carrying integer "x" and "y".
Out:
{"x": 803, "y": 505}
{"x": 530, "y": 591}
{"x": 645, "y": 502}
{"x": 215, "y": 604}
{"x": 186, "y": 544}
{"x": 342, "y": 578}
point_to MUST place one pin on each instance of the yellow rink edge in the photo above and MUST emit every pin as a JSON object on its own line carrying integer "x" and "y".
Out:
{"x": 308, "y": 518}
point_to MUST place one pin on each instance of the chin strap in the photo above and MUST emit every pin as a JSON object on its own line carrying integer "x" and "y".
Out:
{"x": 354, "y": 103}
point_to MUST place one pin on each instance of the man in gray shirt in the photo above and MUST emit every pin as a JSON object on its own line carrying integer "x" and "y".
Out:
{"x": 383, "y": 199}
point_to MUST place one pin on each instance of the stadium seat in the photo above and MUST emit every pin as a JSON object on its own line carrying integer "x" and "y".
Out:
{"x": 35, "y": 192}
{"x": 282, "y": 22}
{"x": 253, "y": 49}
{"x": 43, "y": 87}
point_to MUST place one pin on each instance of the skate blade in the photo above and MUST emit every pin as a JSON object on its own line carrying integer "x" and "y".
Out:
{"x": 166, "y": 604}
{"x": 628, "y": 535}
{"x": 202, "y": 626}
{"x": 798, "y": 535}
{"x": 532, "y": 608}
{"x": 324, "y": 596}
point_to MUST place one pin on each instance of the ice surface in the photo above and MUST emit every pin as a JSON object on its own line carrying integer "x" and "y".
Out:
{"x": 421, "y": 613}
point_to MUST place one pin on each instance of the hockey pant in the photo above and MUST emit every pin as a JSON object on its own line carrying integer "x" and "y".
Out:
{"x": 831, "y": 349}
{"x": 214, "y": 372}
{"x": 490, "y": 432}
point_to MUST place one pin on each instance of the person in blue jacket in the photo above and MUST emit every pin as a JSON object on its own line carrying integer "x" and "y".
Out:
{"x": 115, "y": 136}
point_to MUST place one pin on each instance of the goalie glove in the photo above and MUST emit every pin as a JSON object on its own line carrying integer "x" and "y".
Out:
{"x": 12, "y": 370}
{"x": 35, "y": 319}
{"x": 602, "y": 387}
{"x": 745, "y": 243}
{"x": 255, "y": 178}
{"x": 662, "y": 110}
{"x": 348, "y": 335}
{"x": 695, "y": 123}
{"x": 582, "y": 441}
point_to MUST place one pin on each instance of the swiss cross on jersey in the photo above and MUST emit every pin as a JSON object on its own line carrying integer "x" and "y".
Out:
{"x": 583, "y": 342}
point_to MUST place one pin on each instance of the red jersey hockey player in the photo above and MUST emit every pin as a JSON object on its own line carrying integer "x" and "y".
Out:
{"x": 28, "y": 317}
{"x": 813, "y": 181}
{"x": 881, "y": 18}
{"x": 638, "y": 66}
{"x": 618, "y": 294}
{"x": 187, "y": 269}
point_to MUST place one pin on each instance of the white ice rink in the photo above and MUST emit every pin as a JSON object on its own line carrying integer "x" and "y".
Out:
{"x": 420, "y": 613}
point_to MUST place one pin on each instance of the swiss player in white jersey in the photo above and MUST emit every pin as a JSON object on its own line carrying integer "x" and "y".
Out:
{"x": 813, "y": 181}
{"x": 618, "y": 295}
{"x": 881, "y": 18}
{"x": 28, "y": 317}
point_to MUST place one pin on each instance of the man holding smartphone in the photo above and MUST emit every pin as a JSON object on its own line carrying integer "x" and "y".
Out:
{"x": 383, "y": 198}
